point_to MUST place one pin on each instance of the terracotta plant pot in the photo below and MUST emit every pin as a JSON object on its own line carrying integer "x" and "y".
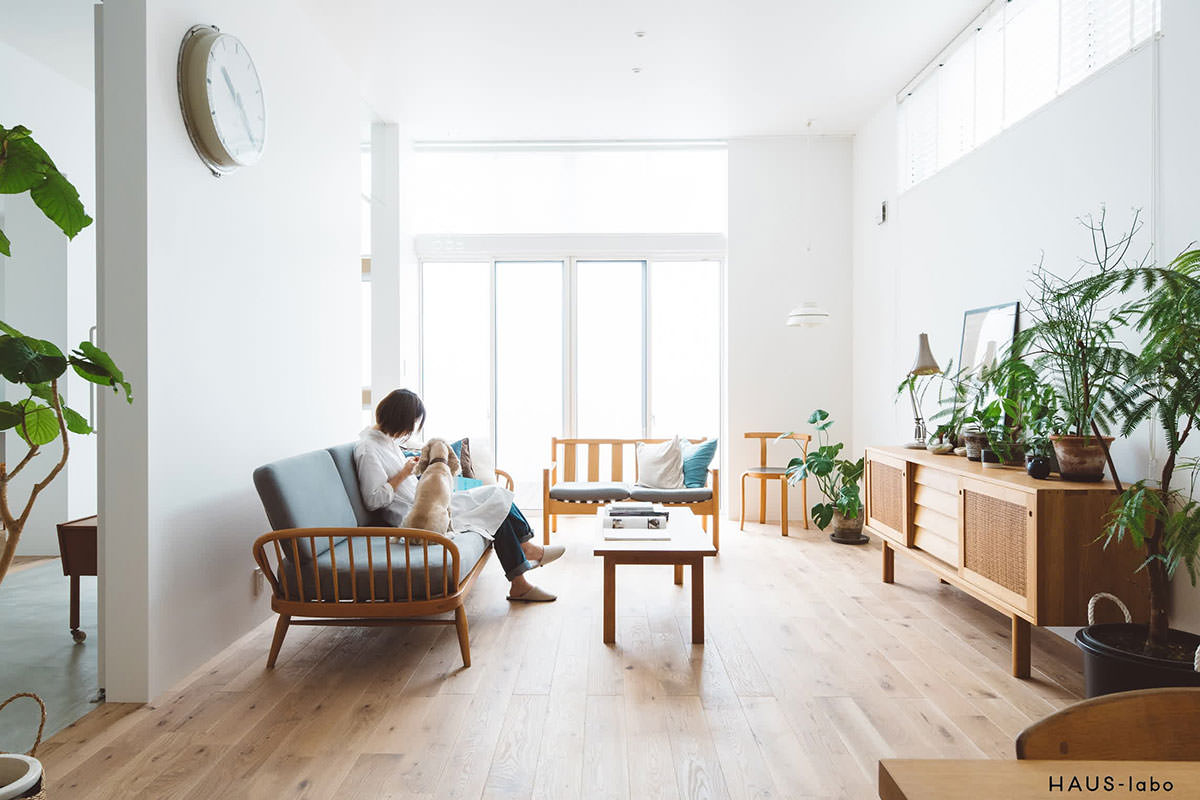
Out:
{"x": 1080, "y": 458}
{"x": 848, "y": 531}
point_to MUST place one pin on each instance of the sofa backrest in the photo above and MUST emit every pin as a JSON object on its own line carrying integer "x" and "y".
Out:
{"x": 598, "y": 459}
{"x": 343, "y": 459}
{"x": 305, "y": 491}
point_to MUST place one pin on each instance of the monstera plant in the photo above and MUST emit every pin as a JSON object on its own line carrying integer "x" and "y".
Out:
{"x": 32, "y": 367}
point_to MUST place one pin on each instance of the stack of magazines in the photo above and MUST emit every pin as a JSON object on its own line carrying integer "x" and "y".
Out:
{"x": 636, "y": 515}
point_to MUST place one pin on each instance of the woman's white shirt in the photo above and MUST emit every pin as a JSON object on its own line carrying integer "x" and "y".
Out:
{"x": 378, "y": 456}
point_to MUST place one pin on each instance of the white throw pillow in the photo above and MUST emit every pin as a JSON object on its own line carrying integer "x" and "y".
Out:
{"x": 482, "y": 460}
{"x": 660, "y": 466}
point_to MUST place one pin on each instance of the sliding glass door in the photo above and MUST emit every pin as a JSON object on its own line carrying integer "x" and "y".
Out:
{"x": 529, "y": 370}
{"x": 609, "y": 361}
{"x": 519, "y": 351}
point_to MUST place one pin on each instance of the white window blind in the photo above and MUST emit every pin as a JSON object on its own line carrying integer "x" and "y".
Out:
{"x": 1019, "y": 56}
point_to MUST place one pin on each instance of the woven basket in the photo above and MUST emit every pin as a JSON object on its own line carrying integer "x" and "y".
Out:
{"x": 40, "y": 794}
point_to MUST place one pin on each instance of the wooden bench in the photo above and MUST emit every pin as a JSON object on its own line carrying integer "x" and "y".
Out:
{"x": 566, "y": 490}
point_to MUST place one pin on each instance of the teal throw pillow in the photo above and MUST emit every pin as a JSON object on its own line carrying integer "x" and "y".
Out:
{"x": 461, "y": 484}
{"x": 696, "y": 458}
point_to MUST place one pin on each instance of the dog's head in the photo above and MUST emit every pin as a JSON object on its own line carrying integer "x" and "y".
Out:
{"x": 436, "y": 450}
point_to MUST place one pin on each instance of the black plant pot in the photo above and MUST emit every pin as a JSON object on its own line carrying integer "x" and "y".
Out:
{"x": 1038, "y": 467}
{"x": 1109, "y": 666}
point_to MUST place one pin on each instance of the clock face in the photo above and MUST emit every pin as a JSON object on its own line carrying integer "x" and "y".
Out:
{"x": 235, "y": 100}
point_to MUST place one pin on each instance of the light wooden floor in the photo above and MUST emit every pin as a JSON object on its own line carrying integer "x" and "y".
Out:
{"x": 813, "y": 670}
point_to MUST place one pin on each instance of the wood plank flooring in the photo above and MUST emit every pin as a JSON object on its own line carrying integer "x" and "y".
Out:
{"x": 813, "y": 670}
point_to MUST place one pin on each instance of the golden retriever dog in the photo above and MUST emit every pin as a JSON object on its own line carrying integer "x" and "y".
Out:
{"x": 436, "y": 469}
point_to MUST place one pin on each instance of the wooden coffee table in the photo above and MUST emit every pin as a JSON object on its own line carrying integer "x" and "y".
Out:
{"x": 689, "y": 545}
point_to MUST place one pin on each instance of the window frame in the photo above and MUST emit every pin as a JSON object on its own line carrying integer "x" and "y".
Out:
{"x": 570, "y": 250}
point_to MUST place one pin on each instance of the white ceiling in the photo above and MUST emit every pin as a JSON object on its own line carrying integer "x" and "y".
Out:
{"x": 563, "y": 69}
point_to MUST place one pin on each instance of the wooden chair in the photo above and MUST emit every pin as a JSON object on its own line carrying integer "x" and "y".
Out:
{"x": 764, "y": 473}
{"x": 1144, "y": 725}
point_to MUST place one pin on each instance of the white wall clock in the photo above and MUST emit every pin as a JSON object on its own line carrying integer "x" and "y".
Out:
{"x": 222, "y": 100}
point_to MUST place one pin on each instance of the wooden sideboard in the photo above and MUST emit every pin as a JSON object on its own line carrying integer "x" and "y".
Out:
{"x": 1023, "y": 546}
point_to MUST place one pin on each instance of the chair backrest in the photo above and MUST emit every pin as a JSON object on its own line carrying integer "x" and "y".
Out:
{"x": 566, "y": 454}
{"x": 770, "y": 436}
{"x": 1145, "y": 725}
{"x": 305, "y": 491}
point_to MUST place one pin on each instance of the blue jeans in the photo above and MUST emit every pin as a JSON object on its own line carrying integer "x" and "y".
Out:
{"x": 507, "y": 542}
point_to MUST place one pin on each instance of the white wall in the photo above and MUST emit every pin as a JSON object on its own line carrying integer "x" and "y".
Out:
{"x": 968, "y": 236}
{"x": 49, "y": 286}
{"x": 233, "y": 305}
{"x": 789, "y": 241}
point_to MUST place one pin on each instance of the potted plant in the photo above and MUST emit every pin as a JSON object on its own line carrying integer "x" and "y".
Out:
{"x": 837, "y": 479}
{"x": 1072, "y": 340}
{"x": 34, "y": 365}
{"x": 1161, "y": 517}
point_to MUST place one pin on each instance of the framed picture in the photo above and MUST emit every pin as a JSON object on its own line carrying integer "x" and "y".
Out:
{"x": 987, "y": 335}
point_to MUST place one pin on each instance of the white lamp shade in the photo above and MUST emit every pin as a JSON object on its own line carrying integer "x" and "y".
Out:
{"x": 807, "y": 315}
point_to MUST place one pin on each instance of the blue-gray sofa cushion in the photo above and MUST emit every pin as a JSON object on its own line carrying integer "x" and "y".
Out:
{"x": 589, "y": 492}
{"x": 305, "y": 491}
{"x": 648, "y": 494}
{"x": 343, "y": 459}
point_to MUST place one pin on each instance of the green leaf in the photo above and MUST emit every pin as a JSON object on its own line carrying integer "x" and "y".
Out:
{"x": 5, "y": 245}
{"x": 24, "y": 166}
{"x": 95, "y": 365}
{"x": 76, "y": 422}
{"x": 818, "y": 416}
{"x": 15, "y": 356}
{"x": 9, "y": 329}
{"x": 48, "y": 362}
{"x": 10, "y": 416}
{"x": 822, "y": 514}
{"x": 59, "y": 201}
{"x": 40, "y": 425}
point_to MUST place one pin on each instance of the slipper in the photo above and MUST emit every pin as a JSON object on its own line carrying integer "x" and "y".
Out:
{"x": 551, "y": 552}
{"x": 534, "y": 595}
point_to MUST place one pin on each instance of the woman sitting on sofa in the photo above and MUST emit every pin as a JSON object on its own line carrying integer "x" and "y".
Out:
{"x": 387, "y": 483}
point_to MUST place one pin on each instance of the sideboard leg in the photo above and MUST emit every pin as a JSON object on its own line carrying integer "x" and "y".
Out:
{"x": 1020, "y": 647}
{"x": 889, "y": 564}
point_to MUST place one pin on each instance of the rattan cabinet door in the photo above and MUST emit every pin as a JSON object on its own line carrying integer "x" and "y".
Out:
{"x": 999, "y": 542}
{"x": 887, "y": 498}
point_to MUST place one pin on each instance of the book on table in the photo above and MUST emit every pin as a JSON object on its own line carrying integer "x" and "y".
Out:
{"x": 636, "y": 509}
{"x": 644, "y": 526}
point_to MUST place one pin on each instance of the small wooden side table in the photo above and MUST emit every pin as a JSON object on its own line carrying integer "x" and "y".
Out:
{"x": 77, "y": 546}
{"x": 688, "y": 546}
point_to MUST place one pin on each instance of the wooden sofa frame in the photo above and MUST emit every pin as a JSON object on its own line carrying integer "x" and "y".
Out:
{"x": 570, "y": 449}
{"x": 398, "y": 607}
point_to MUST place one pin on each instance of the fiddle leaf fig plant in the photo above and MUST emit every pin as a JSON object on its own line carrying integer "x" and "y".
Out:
{"x": 35, "y": 366}
{"x": 837, "y": 478}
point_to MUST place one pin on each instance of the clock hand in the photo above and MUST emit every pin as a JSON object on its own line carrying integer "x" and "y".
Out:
{"x": 237, "y": 98}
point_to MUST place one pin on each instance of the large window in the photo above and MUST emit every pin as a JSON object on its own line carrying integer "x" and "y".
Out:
{"x": 1018, "y": 56}
{"x": 518, "y": 351}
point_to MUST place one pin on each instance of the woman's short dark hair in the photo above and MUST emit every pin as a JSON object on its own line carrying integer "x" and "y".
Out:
{"x": 400, "y": 413}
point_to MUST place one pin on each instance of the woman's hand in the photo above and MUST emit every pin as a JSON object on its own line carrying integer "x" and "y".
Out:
{"x": 405, "y": 471}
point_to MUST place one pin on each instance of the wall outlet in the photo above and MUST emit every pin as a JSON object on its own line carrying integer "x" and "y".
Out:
{"x": 881, "y": 216}
{"x": 258, "y": 580}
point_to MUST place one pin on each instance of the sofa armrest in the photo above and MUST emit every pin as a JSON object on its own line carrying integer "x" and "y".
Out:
{"x": 508, "y": 481}
{"x": 284, "y": 546}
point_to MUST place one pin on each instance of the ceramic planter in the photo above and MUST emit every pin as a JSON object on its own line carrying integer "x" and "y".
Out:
{"x": 20, "y": 777}
{"x": 848, "y": 531}
{"x": 1080, "y": 458}
{"x": 975, "y": 443}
